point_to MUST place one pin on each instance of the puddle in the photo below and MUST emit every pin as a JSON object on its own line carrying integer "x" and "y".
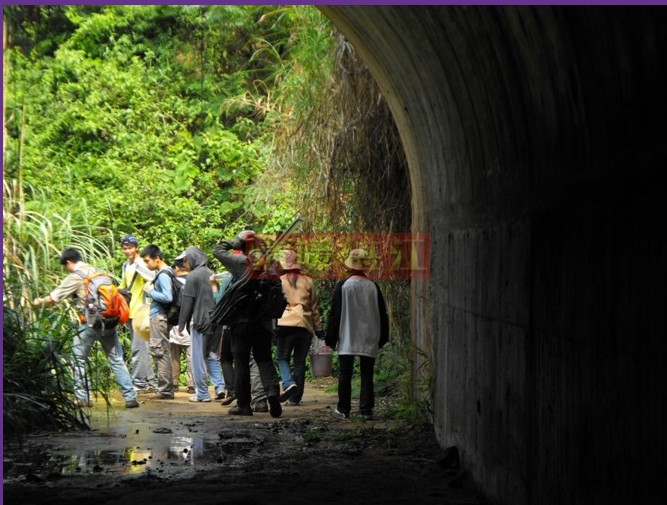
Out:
{"x": 174, "y": 451}
{"x": 122, "y": 447}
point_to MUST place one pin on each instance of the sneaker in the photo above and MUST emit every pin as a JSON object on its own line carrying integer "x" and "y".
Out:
{"x": 229, "y": 399}
{"x": 82, "y": 402}
{"x": 275, "y": 409}
{"x": 289, "y": 391}
{"x": 131, "y": 404}
{"x": 144, "y": 390}
{"x": 176, "y": 389}
{"x": 366, "y": 414}
{"x": 237, "y": 410}
{"x": 191, "y": 389}
{"x": 293, "y": 403}
{"x": 162, "y": 396}
{"x": 194, "y": 399}
{"x": 219, "y": 395}
{"x": 346, "y": 415}
{"x": 261, "y": 406}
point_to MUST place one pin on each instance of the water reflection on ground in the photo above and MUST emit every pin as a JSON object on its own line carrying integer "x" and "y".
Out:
{"x": 122, "y": 445}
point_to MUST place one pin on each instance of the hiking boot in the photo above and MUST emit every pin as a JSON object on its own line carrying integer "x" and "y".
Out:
{"x": 237, "y": 410}
{"x": 261, "y": 406}
{"x": 194, "y": 399}
{"x": 229, "y": 399}
{"x": 287, "y": 394}
{"x": 131, "y": 404}
{"x": 275, "y": 409}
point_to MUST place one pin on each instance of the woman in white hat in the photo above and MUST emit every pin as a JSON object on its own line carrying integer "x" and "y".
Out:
{"x": 296, "y": 327}
{"x": 358, "y": 326}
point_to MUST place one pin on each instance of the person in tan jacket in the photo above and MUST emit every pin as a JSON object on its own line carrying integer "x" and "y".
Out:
{"x": 296, "y": 327}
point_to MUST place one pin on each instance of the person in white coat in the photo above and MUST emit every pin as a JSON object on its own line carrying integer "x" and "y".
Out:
{"x": 358, "y": 326}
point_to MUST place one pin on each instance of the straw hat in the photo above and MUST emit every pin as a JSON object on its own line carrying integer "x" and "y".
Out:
{"x": 141, "y": 323}
{"x": 288, "y": 260}
{"x": 358, "y": 260}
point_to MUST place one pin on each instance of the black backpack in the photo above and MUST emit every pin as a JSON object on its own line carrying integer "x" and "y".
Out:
{"x": 261, "y": 298}
{"x": 174, "y": 308}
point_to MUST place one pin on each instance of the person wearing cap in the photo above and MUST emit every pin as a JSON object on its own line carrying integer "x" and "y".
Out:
{"x": 295, "y": 328}
{"x": 134, "y": 274}
{"x": 197, "y": 302}
{"x": 249, "y": 334}
{"x": 73, "y": 286}
{"x": 359, "y": 326}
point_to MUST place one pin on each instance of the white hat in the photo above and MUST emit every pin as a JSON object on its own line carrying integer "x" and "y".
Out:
{"x": 358, "y": 260}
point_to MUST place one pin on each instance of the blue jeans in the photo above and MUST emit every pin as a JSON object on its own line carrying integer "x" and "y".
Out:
{"x": 296, "y": 341}
{"x": 83, "y": 343}
{"x": 205, "y": 365}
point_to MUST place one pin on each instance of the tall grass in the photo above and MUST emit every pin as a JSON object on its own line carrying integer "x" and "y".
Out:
{"x": 37, "y": 377}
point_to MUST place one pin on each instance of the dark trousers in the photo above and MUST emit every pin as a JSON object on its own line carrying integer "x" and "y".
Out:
{"x": 227, "y": 361}
{"x": 367, "y": 394}
{"x": 253, "y": 337}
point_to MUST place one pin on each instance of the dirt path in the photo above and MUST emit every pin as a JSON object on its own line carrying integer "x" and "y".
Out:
{"x": 176, "y": 452}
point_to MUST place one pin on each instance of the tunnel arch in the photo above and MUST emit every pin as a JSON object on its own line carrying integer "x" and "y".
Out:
{"x": 535, "y": 140}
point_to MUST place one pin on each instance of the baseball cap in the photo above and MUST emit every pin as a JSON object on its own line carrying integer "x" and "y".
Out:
{"x": 129, "y": 240}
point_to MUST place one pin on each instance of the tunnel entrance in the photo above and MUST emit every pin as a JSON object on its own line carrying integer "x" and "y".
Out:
{"x": 533, "y": 143}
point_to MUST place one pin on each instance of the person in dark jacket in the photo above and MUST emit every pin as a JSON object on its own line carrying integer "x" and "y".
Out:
{"x": 196, "y": 304}
{"x": 249, "y": 333}
{"x": 359, "y": 326}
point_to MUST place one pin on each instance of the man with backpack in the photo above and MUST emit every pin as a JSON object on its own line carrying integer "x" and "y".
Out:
{"x": 196, "y": 304}
{"x": 250, "y": 331}
{"x": 75, "y": 286}
{"x": 161, "y": 295}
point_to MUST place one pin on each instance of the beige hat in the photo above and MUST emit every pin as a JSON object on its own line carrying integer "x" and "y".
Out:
{"x": 141, "y": 323}
{"x": 288, "y": 260}
{"x": 358, "y": 260}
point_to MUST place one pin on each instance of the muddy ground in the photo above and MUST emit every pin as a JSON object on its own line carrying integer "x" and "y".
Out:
{"x": 176, "y": 452}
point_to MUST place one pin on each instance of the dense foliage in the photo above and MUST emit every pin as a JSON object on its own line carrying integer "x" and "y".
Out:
{"x": 155, "y": 120}
{"x": 183, "y": 124}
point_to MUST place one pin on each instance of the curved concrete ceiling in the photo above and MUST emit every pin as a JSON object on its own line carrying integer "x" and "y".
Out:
{"x": 535, "y": 139}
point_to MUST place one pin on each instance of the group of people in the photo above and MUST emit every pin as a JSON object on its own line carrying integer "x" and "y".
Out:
{"x": 236, "y": 358}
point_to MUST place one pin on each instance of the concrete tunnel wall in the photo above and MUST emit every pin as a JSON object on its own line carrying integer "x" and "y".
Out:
{"x": 536, "y": 140}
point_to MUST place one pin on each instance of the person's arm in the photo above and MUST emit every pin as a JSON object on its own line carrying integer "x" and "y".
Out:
{"x": 161, "y": 290}
{"x": 187, "y": 307}
{"x": 333, "y": 325}
{"x": 67, "y": 287}
{"x": 384, "y": 318}
{"x": 235, "y": 263}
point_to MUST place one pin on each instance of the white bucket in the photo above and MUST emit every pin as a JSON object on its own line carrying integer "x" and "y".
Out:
{"x": 320, "y": 364}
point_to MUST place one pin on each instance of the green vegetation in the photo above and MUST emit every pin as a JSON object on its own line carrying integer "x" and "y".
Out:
{"x": 180, "y": 124}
